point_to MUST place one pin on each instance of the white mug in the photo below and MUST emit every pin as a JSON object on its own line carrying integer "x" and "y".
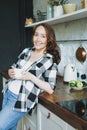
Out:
{"x": 18, "y": 72}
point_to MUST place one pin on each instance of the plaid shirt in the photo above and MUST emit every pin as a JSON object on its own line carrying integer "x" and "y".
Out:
{"x": 44, "y": 68}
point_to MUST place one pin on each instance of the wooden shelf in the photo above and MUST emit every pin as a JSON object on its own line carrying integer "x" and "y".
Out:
{"x": 79, "y": 14}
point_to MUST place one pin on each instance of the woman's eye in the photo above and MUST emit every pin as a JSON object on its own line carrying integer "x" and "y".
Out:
{"x": 44, "y": 36}
{"x": 37, "y": 35}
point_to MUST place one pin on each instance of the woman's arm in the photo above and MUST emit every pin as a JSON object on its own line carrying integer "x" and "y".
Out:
{"x": 49, "y": 76}
{"x": 41, "y": 84}
{"x": 29, "y": 76}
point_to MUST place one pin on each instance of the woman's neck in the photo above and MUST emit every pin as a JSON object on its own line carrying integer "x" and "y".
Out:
{"x": 40, "y": 51}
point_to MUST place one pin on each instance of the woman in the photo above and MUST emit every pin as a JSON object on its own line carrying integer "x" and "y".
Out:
{"x": 38, "y": 66}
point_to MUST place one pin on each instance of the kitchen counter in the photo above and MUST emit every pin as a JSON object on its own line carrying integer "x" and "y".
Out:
{"x": 63, "y": 93}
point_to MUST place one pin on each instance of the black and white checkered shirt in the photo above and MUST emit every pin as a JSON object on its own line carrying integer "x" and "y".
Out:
{"x": 44, "y": 68}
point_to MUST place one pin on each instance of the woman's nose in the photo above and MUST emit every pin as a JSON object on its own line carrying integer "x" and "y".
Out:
{"x": 39, "y": 38}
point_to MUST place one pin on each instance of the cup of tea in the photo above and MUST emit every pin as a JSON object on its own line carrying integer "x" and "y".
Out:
{"x": 18, "y": 72}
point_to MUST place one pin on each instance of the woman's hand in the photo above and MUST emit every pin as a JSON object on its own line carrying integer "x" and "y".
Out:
{"x": 16, "y": 73}
{"x": 24, "y": 75}
{"x": 11, "y": 73}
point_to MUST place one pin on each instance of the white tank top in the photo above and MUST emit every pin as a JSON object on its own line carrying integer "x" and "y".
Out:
{"x": 14, "y": 86}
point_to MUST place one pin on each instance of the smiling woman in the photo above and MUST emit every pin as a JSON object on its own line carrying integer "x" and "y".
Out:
{"x": 51, "y": 46}
{"x": 39, "y": 70}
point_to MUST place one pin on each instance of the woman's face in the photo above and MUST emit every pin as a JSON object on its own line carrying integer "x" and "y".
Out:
{"x": 40, "y": 39}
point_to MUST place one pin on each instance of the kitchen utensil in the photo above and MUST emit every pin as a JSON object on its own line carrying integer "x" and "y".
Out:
{"x": 81, "y": 54}
{"x": 70, "y": 73}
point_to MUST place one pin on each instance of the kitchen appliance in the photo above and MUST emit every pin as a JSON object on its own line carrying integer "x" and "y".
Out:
{"x": 70, "y": 72}
{"x": 77, "y": 107}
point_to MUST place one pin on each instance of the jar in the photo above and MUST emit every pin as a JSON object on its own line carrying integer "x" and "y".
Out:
{"x": 84, "y": 3}
{"x": 49, "y": 11}
{"x": 58, "y": 10}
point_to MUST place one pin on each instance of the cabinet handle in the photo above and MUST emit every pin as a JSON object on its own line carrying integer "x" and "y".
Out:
{"x": 48, "y": 115}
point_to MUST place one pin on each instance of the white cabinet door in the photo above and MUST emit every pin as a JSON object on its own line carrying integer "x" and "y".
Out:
{"x": 43, "y": 119}
{"x": 28, "y": 122}
{"x": 49, "y": 121}
{"x": 20, "y": 125}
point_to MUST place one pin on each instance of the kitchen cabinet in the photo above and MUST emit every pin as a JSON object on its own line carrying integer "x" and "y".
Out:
{"x": 28, "y": 122}
{"x": 43, "y": 119}
{"x": 79, "y": 14}
{"x": 48, "y": 120}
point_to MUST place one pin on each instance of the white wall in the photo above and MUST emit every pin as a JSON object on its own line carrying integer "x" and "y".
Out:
{"x": 68, "y": 36}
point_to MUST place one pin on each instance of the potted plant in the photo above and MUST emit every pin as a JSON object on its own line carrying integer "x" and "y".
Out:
{"x": 57, "y": 6}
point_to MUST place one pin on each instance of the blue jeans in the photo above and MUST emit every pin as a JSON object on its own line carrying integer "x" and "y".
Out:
{"x": 9, "y": 117}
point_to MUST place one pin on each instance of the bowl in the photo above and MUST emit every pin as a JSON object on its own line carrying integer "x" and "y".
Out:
{"x": 76, "y": 88}
{"x": 69, "y": 8}
{"x": 77, "y": 84}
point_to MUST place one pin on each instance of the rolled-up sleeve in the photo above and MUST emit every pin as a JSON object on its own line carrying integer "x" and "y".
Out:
{"x": 50, "y": 75}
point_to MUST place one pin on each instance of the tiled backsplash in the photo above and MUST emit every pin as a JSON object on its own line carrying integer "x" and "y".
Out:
{"x": 68, "y": 55}
{"x": 70, "y": 36}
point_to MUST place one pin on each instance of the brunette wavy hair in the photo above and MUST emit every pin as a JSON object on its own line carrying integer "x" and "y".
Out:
{"x": 52, "y": 46}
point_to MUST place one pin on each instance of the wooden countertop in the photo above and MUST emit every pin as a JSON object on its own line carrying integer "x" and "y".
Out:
{"x": 63, "y": 93}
